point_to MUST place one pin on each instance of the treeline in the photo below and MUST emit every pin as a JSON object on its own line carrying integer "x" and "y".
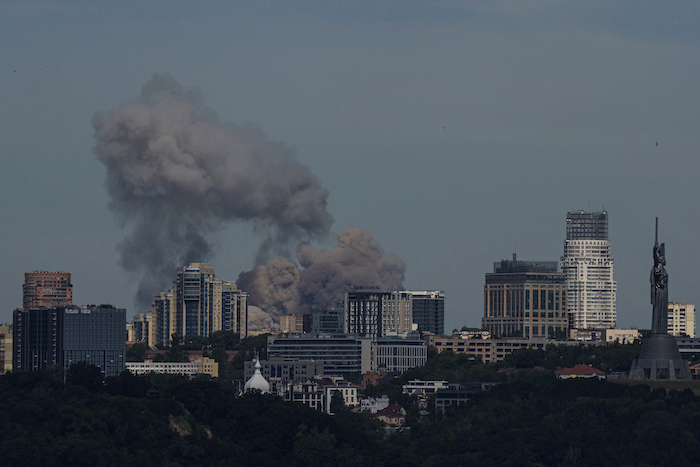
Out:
{"x": 532, "y": 419}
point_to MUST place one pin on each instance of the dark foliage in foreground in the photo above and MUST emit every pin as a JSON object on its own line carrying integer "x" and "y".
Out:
{"x": 531, "y": 419}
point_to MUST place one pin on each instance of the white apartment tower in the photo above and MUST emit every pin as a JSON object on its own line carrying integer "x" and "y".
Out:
{"x": 590, "y": 285}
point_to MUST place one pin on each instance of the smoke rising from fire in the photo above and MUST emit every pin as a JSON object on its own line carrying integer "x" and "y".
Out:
{"x": 176, "y": 173}
{"x": 279, "y": 288}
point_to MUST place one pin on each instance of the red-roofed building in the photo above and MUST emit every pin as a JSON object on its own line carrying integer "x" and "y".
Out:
{"x": 580, "y": 371}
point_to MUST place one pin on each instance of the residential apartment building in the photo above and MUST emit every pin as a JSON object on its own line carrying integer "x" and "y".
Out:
{"x": 681, "y": 319}
{"x": 428, "y": 308}
{"x": 489, "y": 350}
{"x": 198, "y": 304}
{"x": 591, "y": 287}
{"x": 525, "y": 299}
{"x": 373, "y": 314}
{"x": 5, "y": 348}
{"x": 47, "y": 289}
{"x": 291, "y": 323}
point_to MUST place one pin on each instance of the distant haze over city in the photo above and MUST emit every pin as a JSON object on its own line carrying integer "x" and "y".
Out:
{"x": 440, "y": 137}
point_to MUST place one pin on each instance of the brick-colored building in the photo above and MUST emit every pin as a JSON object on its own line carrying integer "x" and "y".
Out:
{"x": 47, "y": 289}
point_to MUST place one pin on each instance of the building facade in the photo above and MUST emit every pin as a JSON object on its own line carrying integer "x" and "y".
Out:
{"x": 525, "y": 299}
{"x": 429, "y": 310}
{"x": 198, "y": 366}
{"x": 398, "y": 354}
{"x": 374, "y": 314}
{"x": 59, "y": 337}
{"x": 340, "y": 353}
{"x": 47, "y": 289}
{"x": 198, "y": 304}
{"x": 681, "y": 319}
{"x": 5, "y": 348}
{"x": 349, "y": 353}
{"x": 591, "y": 287}
{"x": 95, "y": 335}
{"x": 488, "y": 350}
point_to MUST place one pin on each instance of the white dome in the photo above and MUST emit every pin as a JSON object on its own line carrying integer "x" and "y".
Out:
{"x": 257, "y": 382}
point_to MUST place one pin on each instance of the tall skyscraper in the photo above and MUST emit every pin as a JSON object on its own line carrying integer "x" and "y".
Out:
{"x": 591, "y": 287}
{"x": 198, "y": 304}
{"x": 378, "y": 314}
{"x": 525, "y": 299}
{"x": 47, "y": 289}
{"x": 429, "y": 310}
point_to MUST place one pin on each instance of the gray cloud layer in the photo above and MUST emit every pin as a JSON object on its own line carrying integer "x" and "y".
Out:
{"x": 176, "y": 173}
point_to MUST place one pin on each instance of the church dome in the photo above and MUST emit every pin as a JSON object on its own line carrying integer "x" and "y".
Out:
{"x": 257, "y": 382}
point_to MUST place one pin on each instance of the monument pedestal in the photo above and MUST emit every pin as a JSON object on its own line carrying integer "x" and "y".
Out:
{"x": 660, "y": 360}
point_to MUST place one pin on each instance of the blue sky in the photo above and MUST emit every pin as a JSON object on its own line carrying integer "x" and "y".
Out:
{"x": 452, "y": 131}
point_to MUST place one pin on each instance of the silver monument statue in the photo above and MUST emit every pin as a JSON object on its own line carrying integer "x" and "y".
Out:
{"x": 659, "y": 358}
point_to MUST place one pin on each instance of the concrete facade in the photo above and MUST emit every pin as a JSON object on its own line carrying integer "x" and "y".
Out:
{"x": 591, "y": 287}
{"x": 525, "y": 298}
{"x": 681, "y": 320}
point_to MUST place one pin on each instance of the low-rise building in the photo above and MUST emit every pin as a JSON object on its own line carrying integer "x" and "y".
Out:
{"x": 393, "y": 415}
{"x": 374, "y": 405}
{"x": 580, "y": 371}
{"x": 458, "y": 393}
{"x": 199, "y": 366}
{"x": 623, "y": 336}
{"x": 285, "y": 370}
{"x": 489, "y": 350}
{"x": 424, "y": 387}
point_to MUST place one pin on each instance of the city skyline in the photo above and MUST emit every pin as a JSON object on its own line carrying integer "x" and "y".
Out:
{"x": 455, "y": 133}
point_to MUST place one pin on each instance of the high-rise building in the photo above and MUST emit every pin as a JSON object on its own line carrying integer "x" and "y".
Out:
{"x": 377, "y": 314}
{"x": 591, "y": 287}
{"x": 525, "y": 299}
{"x": 47, "y": 289}
{"x": 681, "y": 319}
{"x": 95, "y": 335}
{"x": 47, "y": 337}
{"x": 5, "y": 348}
{"x": 193, "y": 299}
{"x": 198, "y": 304}
{"x": 429, "y": 310}
{"x": 163, "y": 318}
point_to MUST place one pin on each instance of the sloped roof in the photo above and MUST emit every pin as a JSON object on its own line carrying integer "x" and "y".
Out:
{"x": 580, "y": 370}
{"x": 394, "y": 410}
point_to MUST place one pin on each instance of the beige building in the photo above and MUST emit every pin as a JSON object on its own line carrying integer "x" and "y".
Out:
{"x": 623, "y": 336}
{"x": 525, "y": 299}
{"x": 5, "y": 348}
{"x": 490, "y": 350}
{"x": 199, "y": 366}
{"x": 681, "y": 319}
{"x": 291, "y": 324}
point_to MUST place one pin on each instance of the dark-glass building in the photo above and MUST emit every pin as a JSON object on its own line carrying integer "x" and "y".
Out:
{"x": 47, "y": 337}
{"x": 429, "y": 310}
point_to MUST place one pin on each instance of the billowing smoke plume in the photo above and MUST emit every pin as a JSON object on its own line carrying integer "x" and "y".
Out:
{"x": 175, "y": 173}
{"x": 279, "y": 288}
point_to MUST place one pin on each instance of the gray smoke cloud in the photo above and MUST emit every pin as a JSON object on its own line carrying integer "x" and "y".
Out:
{"x": 176, "y": 173}
{"x": 358, "y": 259}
